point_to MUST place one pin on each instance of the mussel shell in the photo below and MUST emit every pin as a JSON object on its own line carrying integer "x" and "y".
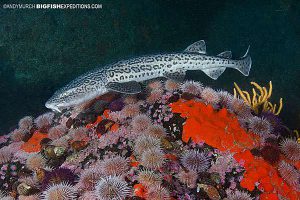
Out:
{"x": 26, "y": 190}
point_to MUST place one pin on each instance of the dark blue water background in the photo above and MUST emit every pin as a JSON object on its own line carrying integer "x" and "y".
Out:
{"x": 41, "y": 50}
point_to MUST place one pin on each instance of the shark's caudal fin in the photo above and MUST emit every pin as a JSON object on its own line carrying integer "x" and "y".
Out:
{"x": 244, "y": 64}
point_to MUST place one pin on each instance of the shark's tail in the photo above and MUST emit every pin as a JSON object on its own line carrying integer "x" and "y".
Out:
{"x": 244, "y": 64}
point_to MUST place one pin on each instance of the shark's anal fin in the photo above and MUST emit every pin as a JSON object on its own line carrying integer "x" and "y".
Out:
{"x": 176, "y": 76}
{"x": 196, "y": 47}
{"x": 214, "y": 73}
{"x": 225, "y": 54}
{"x": 131, "y": 87}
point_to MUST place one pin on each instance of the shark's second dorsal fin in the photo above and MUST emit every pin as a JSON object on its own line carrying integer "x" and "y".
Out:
{"x": 131, "y": 87}
{"x": 225, "y": 54}
{"x": 196, "y": 47}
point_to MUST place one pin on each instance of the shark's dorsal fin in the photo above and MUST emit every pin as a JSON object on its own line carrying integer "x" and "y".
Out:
{"x": 131, "y": 87}
{"x": 214, "y": 73}
{"x": 225, "y": 54}
{"x": 196, "y": 47}
{"x": 176, "y": 76}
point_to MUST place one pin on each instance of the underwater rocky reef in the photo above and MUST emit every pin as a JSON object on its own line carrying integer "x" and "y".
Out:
{"x": 175, "y": 140}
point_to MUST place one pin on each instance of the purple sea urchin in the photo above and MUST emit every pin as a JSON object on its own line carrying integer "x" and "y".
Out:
{"x": 260, "y": 126}
{"x": 153, "y": 159}
{"x": 59, "y": 175}
{"x": 145, "y": 142}
{"x": 57, "y": 132}
{"x": 290, "y": 148}
{"x": 210, "y": 96}
{"x": 238, "y": 195}
{"x": 189, "y": 178}
{"x": 114, "y": 166}
{"x": 149, "y": 178}
{"x": 116, "y": 105}
{"x": 195, "y": 161}
{"x": 157, "y": 192}
{"x": 140, "y": 123}
{"x": 61, "y": 191}
{"x": 289, "y": 174}
{"x": 112, "y": 187}
{"x": 192, "y": 87}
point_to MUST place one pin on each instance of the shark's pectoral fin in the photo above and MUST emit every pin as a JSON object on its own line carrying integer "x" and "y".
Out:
{"x": 225, "y": 54}
{"x": 176, "y": 76}
{"x": 214, "y": 73}
{"x": 196, "y": 47}
{"x": 131, "y": 87}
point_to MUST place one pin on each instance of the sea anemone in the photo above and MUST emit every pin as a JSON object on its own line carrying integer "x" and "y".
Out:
{"x": 239, "y": 107}
{"x": 225, "y": 98}
{"x": 290, "y": 148}
{"x": 79, "y": 134}
{"x": 260, "y": 126}
{"x": 145, "y": 142}
{"x": 26, "y": 123}
{"x": 189, "y": 178}
{"x": 289, "y": 174}
{"x": 157, "y": 192}
{"x": 89, "y": 195}
{"x": 140, "y": 122}
{"x": 116, "y": 105}
{"x": 59, "y": 175}
{"x": 61, "y": 191}
{"x": 192, "y": 87}
{"x": 171, "y": 85}
{"x": 114, "y": 166}
{"x": 88, "y": 178}
{"x": 153, "y": 159}
{"x": 155, "y": 85}
{"x": 154, "y": 96}
{"x": 35, "y": 161}
{"x": 18, "y": 135}
{"x": 130, "y": 99}
{"x": 112, "y": 187}
{"x": 194, "y": 160}
{"x": 43, "y": 122}
{"x": 57, "y": 132}
{"x": 3, "y": 196}
{"x": 130, "y": 110}
{"x": 149, "y": 178}
{"x": 5, "y": 155}
{"x": 155, "y": 131}
{"x": 30, "y": 197}
{"x": 61, "y": 142}
{"x": 238, "y": 195}
{"x": 210, "y": 96}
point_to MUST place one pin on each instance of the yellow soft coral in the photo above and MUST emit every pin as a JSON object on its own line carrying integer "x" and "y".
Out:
{"x": 259, "y": 101}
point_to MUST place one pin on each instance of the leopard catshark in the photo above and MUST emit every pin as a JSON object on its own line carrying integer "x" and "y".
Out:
{"x": 124, "y": 76}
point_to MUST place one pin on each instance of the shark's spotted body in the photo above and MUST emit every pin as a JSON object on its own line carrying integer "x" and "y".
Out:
{"x": 123, "y": 76}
